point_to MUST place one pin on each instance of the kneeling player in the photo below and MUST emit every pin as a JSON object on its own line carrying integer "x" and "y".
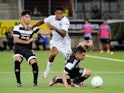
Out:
{"x": 77, "y": 75}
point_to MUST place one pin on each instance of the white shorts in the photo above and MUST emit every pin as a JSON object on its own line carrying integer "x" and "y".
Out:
{"x": 64, "y": 49}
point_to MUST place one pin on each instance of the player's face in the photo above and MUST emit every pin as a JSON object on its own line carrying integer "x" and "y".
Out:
{"x": 59, "y": 14}
{"x": 104, "y": 21}
{"x": 86, "y": 21}
{"x": 26, "y": 19}
{"x": 80, "y": 56}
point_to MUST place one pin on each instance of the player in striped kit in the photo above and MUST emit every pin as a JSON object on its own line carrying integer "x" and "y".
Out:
{"x": 76, "y": 75}
{"x": 23, "y": 47}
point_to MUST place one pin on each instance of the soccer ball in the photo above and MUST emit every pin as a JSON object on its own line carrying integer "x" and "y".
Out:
{"x": 96, "y": 81}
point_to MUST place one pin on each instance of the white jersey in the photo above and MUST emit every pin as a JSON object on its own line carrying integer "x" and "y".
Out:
{"x": 62, "y": 24}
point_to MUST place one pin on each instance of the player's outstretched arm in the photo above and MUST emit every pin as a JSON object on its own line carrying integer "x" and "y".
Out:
{"x": 42, "y": 32}
{"x": 38, "y": 24}
{"x": 62, "y": 33}
{"x": 65, "y": 80}
{"x": 82, "y": 44}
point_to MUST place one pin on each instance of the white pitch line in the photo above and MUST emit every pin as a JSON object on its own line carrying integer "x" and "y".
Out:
{"x": 115, "y": 72}
{"x": 105, "y": 58}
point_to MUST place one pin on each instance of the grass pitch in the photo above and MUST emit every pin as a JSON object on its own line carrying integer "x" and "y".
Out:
{"x": 111, "y": 71}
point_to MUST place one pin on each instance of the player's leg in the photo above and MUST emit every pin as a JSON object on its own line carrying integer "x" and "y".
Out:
{"x": 84, "y": 74}
{"x": 108, "y": 48}
{"x": 17, "y": 61}
{"x": 79, "y": 76}
{"x": 66, "y": 51}
{"x": 53, "y": 53}
{"x": 43, "y": 45}
{"x": 32, "y": 60}
{"x": 37, "y": 45}
{"x": 89, "y": 44}
{"x": 34, "y": 65}
{"x": 56, "y": 80}
{"x": 108, "y": 45}
{"x": 102, "y": 45}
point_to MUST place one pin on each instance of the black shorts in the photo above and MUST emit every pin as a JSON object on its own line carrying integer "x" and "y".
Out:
{"x": 26, "y": 53}
{"x": 87, "y": 38}
{"x": 77, "y": 73}
{"x": 104, "y": 40}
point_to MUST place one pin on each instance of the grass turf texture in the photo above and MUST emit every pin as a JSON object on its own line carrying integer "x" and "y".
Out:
{"x": 112, "y": 73}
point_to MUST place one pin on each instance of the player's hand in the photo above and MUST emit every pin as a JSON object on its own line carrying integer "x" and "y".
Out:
{"x": 51, "y": 27}
{"x": 30, "y": 40}
{"x": 67, "y": 86}
{"x": 81, "y": 44}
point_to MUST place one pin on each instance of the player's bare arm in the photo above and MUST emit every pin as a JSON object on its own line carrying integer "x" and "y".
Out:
{"x": 42, "y": 32}
{"x": 18, "y": 40}
{"x": 65, "y": 80}
{"x": 38, "y": 24}
{"x": 110, "y": 35}
{"x": 62, "y": 32}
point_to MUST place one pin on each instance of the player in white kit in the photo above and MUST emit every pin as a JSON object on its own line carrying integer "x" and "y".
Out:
{"x": 60, "y": 41}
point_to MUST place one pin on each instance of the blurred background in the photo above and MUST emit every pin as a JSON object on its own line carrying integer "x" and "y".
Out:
{"x": 75, "y": 10}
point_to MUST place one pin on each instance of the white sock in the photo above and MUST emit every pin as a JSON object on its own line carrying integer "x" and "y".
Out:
{"x": 49, "y": 64}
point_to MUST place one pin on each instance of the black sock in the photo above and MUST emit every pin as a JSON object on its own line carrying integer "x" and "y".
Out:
{"x": 60, "y": 81}
{"x": 82, "y": 79}
{"x": 35, "y": 72}
{"x": 17, "y": 71}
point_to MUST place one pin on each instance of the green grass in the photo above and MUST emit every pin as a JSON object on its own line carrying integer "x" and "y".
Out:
{"x": 112, "y": 73}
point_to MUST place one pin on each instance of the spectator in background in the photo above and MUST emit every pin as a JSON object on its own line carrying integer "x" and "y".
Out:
{"x": 36, "y": 12}
{"x": 87, "y": 30}
{"x": 105, "y": 36}
{"x": 1, "y": 44}
{"x": 41, "y": 40}
{"x": 10, "y": 41}
{"x": 96, "y": 13}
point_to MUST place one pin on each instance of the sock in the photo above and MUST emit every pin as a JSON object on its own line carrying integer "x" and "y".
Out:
{"x": 49, "y": 64}
{"x": 35, "y": 72}
{"x": 60, "y": 81}
{"x": 17, "y": 71}
{"x": 82, "y": 79}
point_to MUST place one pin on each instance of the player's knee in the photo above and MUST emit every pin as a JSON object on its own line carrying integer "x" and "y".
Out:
{"x": 53, "y": 54}
{"x": 88, "y": 73}
{"x": 17, "y": 58}
{"x": 33, "y": 60}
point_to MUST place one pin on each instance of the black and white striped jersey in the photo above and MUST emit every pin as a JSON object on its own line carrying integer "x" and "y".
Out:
{"x": 71, "y": 65}
{"x": 23, "y": 34}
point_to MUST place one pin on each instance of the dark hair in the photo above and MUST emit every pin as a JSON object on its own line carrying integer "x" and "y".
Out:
{"x": 86, "y": 19}
{"x": 25, "y": 12}
{"x": 80, "y": 50}
{"x": 105, "y": 19}
{"x": 59, "y": 8}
